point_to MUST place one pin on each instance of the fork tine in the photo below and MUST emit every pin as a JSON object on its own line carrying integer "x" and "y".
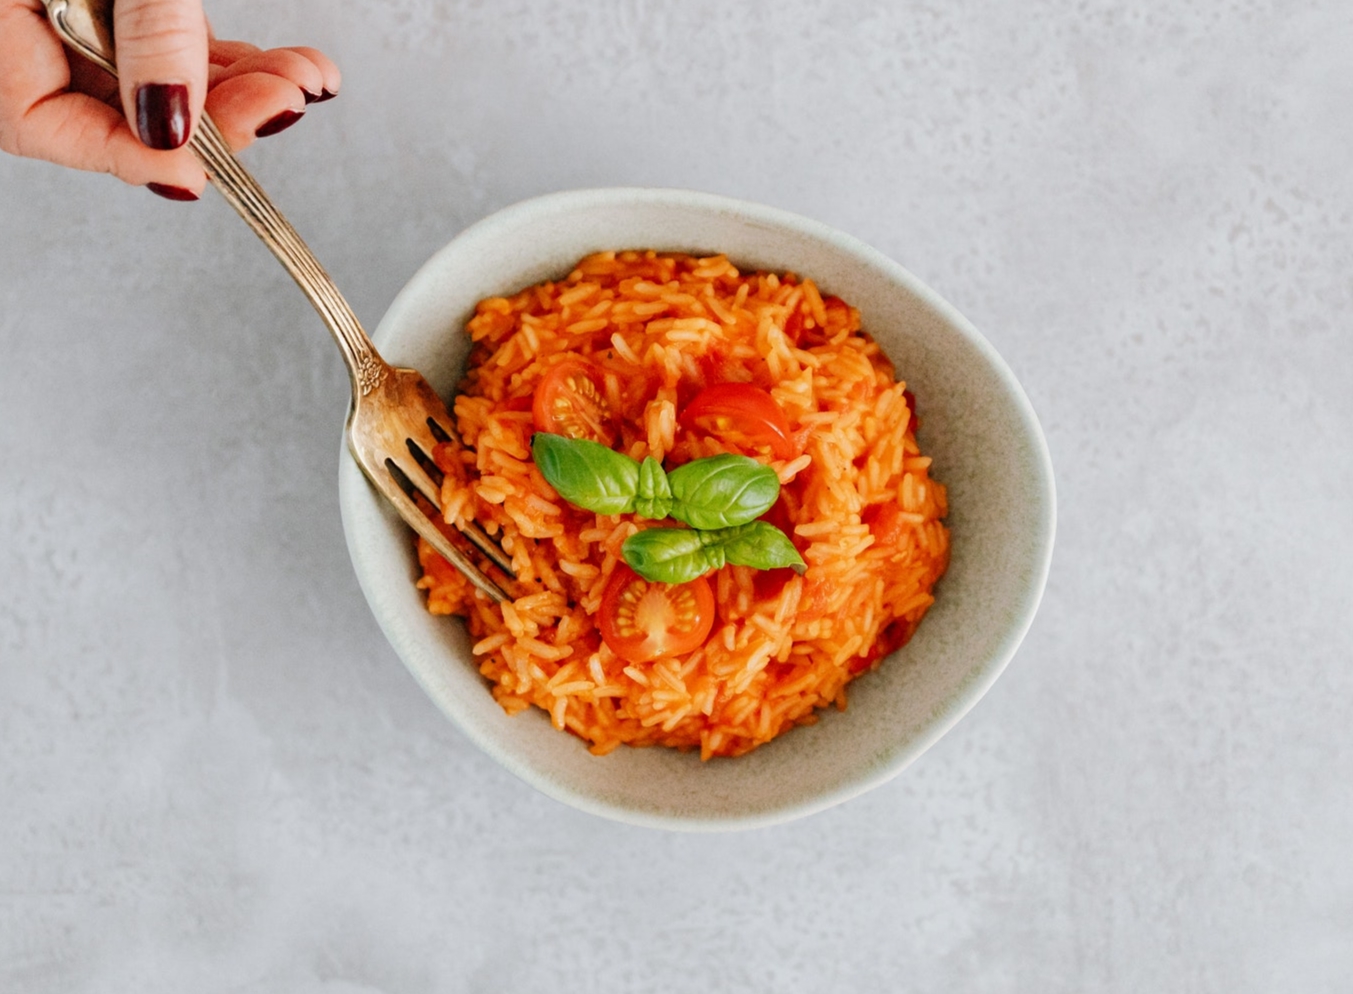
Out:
{"x": 434, "y": 476}
{"x": 488, "y": 546}
{"x": 424, "y": 459}
{"x": 402, "y": 479}
{"x": 411, "y": 468}
{"x": 438, "y": 432}
{"x": 401, "y": 495}
{"x": 470, "y": 529}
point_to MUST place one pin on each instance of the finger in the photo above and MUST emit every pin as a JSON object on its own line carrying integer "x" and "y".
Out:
{"x": 40, "y": 119}
{"x": 162, "y": 67}
{"x": 280, "y": 62}
{"x": 254, "y": 105}
{"x": 333, "y": 79}
{"x": 76, "y": 130}
{"x": 85, "y": 77}
{"x": 35, "y": 64}
{"x": 223, "y": 53}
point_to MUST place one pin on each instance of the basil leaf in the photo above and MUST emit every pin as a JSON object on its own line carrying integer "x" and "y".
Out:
{"x": 587, "y": 473}
{"x": 654, "y": 496}
{"x": 679, "y": 555}
{"x": 672, "y": 555}
{"x": 761, "y": 545}
{"x": 722, "y": 491}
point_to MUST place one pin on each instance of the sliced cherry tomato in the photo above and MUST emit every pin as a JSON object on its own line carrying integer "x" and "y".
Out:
{"x": 779, "y": 516}
{"x": 435, "y": 566}
{"x": 838, "y": 311}
{"x": 768, "y": 584}
{"x": 893, "y": 637}
{"x": 815, "y": 599}
{"x": 743, "y": 416}
{"x": 444, "y": 455}
{"x": 569, "y": 401}
{"x": 643, "y": 621}
{"x": 913, "y": 422}
{"x": 885, "y": 521}
{"x": 715, "y": 367}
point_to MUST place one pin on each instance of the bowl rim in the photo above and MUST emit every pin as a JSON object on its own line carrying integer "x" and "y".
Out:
{"x": 354, "y": 489}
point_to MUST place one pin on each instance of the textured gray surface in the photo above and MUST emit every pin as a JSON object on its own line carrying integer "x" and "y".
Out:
{"x": 215, "y": 776}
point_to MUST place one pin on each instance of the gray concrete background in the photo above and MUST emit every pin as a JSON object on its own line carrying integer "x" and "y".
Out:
{"x": 216, "y": 777}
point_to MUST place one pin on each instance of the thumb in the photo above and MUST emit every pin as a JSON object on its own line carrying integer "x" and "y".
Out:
{"x": 162, "y": 67}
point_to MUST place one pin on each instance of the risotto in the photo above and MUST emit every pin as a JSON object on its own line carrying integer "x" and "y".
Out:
{"x": 683, "y": 359}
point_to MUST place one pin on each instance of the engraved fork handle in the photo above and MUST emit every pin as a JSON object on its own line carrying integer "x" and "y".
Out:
{"x": 243, "y": 193}
{"x": 86, "y": 25}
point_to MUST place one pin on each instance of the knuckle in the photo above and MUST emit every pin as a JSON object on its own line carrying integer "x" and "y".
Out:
{"x": 163, "y": 28}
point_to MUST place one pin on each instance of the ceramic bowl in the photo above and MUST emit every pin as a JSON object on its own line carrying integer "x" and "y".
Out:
{"x": 976, "y": 423}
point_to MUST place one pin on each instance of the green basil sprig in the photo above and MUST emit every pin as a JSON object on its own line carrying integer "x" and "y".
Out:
{"x": 722, "y": 491}
{"x": 720, "y": 497}
{"x": 653, "y": 499}
{"x": 719, "y": 492}
{"x": 679, "y": 555}
{"x": 587, "y": 474}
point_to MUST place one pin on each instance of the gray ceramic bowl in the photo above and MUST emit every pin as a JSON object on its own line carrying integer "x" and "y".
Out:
{"x": 977, "y": 424}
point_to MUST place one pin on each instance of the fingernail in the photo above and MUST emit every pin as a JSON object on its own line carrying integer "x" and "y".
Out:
{"x": 170, "y": 192}
{"x": 281, "y": 122}
{"x": 162, "y": 114}
{"x": 310, "y": 98}
{"x": 324, "y": 95}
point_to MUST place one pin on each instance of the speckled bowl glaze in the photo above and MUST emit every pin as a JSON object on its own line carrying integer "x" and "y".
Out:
{"x": 976, "y": 423}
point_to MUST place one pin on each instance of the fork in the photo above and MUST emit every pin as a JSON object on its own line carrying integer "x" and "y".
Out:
{"x": 396, "y": 419}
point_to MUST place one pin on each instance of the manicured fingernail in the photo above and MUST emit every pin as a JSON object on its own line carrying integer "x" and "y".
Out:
{"x": 324, "y": 95}
{"x": 310, "y": 98}
{"x": 170, "y": 192}
{"x": 281, "y": 122}
{"x": 162, "y": 114}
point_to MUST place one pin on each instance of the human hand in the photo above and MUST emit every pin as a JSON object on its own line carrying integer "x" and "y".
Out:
{"x": 57, "y": 106}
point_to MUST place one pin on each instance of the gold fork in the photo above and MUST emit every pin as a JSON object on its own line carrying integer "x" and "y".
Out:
{"x": 396, "y": 418}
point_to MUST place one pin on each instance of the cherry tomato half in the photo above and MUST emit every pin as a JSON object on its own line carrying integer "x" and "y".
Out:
{"x": 768, "y": 584}
{"x": 741, "y": 415}
{"x": 913, "y": 422}
{"x": 569, "y": 401}
{"x": 643, "y": 621}
{"x": 895, "y": 636}
{"x": 886, "y": 522}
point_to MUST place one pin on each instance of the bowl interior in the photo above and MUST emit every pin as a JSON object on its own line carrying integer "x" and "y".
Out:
{"x": 976, "y": 423}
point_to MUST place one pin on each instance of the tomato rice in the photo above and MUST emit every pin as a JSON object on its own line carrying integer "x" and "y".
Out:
{"x": 856, "y": 498}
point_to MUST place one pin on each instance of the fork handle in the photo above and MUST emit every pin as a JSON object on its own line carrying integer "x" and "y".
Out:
{"x": 87, "y": 27}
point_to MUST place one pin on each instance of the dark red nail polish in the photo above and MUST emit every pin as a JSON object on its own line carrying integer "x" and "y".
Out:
{"x": 310, "y": 98}
{"x": 324, "y": 95}
{"x": 281, "y": 122}
{"x": 170, "y": 192}
{"x": 162, "y": 114}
